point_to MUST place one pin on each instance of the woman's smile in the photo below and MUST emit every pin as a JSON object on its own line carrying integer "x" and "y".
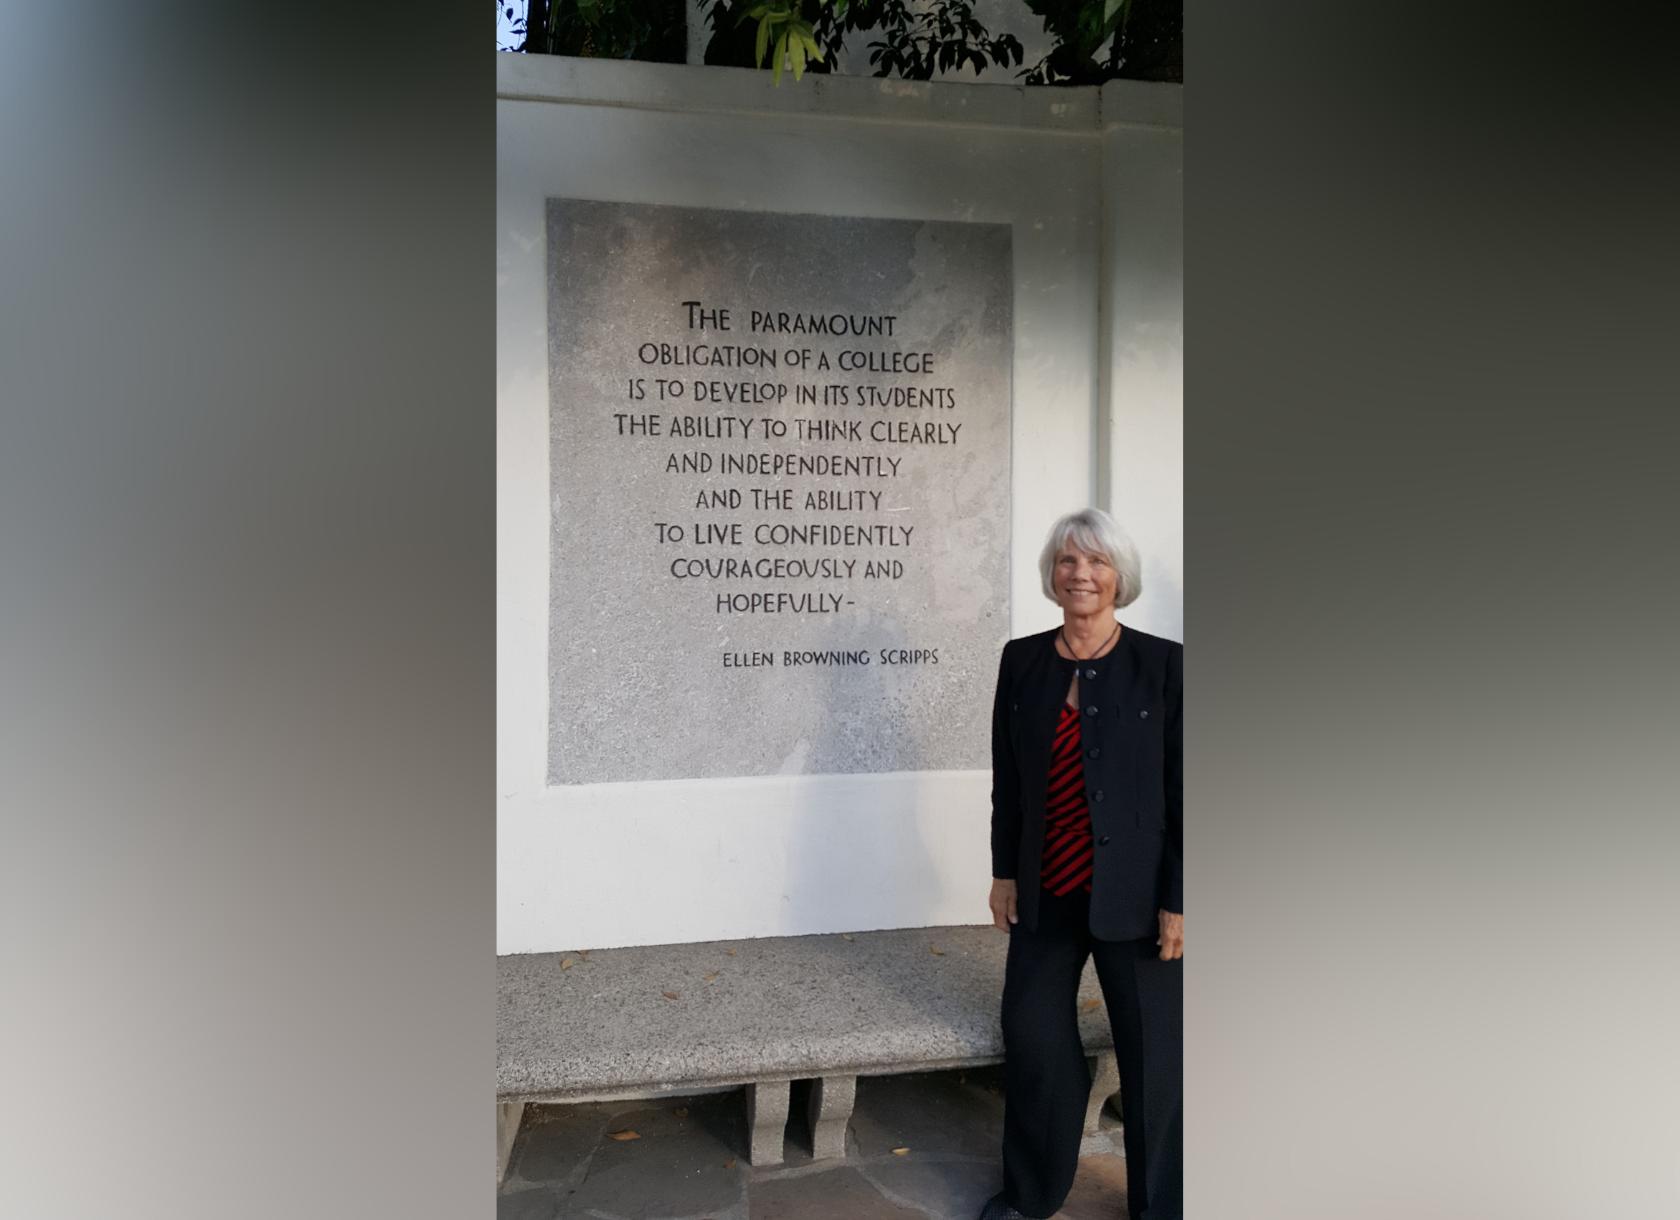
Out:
{"x": 1087, "y": 579}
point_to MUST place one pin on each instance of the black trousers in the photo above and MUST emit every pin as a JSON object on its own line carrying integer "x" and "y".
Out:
{"x": 1047, "y": 1084}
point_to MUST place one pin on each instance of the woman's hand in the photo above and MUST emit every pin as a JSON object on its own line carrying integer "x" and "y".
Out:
{"x": 1003, "y": 904}
{"x": 1171, "y": 939}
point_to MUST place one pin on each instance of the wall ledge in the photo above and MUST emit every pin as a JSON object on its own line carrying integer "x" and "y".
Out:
{"x": 1141, "y": 103}
{"x": 694, "y": 89}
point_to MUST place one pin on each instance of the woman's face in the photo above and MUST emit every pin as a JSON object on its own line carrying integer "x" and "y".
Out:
{"x": 1084, "y": 583}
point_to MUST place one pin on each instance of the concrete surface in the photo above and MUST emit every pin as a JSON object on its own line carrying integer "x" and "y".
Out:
{"x": 668, "y": 1018}
{"x": 919, "y": 1147}
{"x": 509, "y": 1116}
{"x": 886, "y": 568}
{"x": 829, "y": 1115}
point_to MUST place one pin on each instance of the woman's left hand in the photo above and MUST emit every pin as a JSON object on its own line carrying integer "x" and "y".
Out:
{"x": 1171, "y": 939}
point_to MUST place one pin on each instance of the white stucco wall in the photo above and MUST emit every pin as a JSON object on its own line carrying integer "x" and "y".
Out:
{"x": 1142, "y": 482}
{"x": 645, "y": 863}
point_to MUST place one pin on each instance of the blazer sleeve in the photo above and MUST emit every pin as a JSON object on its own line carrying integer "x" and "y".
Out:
{"x": 1172, "y": 857}
{"x": 1006, "y": 782}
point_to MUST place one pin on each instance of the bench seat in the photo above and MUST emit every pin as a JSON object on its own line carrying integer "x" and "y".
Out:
{"x": 662, "y": 1020}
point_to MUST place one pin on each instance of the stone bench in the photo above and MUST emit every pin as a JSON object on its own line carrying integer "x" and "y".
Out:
{"x": 667, "y": 1020}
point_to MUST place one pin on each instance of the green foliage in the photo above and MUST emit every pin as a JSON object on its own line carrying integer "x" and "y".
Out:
{"x": 1095, "y": 40}
{"x": 1144, "y": 39}
{"x": 1080, "y": 28}
{"x": 606, "y": 29}
{"x": 941, "y": 36}
{"x": 795, "y": 37}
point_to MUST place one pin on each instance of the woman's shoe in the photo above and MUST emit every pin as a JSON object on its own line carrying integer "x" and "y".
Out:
{"x": 997, "y": 1209}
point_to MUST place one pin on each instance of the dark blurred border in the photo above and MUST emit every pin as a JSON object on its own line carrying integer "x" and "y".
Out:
{"x": 247, "y": 519}
{"x": 1431, "y": 426}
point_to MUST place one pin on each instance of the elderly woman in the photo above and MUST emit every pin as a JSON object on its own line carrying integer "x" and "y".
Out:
{"x": 1088, "y": 860}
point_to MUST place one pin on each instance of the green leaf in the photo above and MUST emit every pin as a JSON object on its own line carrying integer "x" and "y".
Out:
{"x": 1115, "y": 15}
{"x": 781, "y": 52}
{"x": 812, "y": 48}
{"x": 796, "y": 49}
{"x": 763, "y": 41}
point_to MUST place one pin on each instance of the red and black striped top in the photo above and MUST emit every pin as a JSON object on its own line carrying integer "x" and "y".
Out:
{"x": 1068, "y": 857}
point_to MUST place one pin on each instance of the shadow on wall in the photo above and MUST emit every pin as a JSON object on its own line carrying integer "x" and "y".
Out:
{"x": 844, "y": 873}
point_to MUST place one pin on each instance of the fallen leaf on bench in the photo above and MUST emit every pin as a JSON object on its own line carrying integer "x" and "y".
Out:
{"x": 566, "y": 963}
{"x": 847, "y": 936}
{"x": 708, "y": 977}
{"x": 936, "y": 951}
{"x": 670, "y": 995}
{"x": 1088, "y": 1005}
{"x": 901, "y": 1152}
{"x": 731, "y": 952}
{"x": 584, "y": 954}
{"x": 681, "y": 1111}
{"x": 623, "y": 1135}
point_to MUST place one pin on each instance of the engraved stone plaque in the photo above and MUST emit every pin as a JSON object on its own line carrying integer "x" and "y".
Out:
{"x": 779, "y": 466}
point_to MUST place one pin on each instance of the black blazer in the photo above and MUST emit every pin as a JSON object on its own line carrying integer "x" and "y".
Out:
{"x": 1132, "y": 729}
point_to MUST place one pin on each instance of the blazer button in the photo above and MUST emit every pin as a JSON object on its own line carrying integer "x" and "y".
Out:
{"x": 1092, "y": 710}
{"x": 1090, "y": 673}
{"x": 1093, "y": 752}
{"x": 1144, "y": 714}
{"x": 1097, "y": 796}
{"x": 1103, "y": 842}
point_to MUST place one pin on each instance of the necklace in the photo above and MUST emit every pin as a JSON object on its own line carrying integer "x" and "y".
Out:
{"x": 1062, "y": 631}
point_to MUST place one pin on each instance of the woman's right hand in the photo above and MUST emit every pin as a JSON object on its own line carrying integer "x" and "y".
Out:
{"x": 1003, "y": 904}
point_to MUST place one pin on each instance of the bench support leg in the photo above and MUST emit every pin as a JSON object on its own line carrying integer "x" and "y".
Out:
{"x": 1105, "y": 1082}
{"x": 508, "y": 1114}
{"x": 767, "y": 1115}
{"x": 830, "y": 1114}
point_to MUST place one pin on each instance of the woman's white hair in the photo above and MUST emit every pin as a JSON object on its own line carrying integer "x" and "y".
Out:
{"x": 1093, "y": 531}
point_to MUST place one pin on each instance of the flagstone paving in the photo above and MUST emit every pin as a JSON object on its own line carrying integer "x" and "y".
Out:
{"x": 919, "y": 1147}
